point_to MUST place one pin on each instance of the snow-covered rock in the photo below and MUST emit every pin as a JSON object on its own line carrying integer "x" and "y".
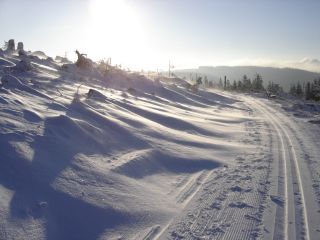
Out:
{"x": 22, "y": 53}
{"x": 20, "y": 46}
{"x": 95, "y": 94}
{"x": 11, "y": 45}
{"x": 20, "y": 49}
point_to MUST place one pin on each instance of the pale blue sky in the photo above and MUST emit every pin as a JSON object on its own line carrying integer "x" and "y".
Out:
{"x": 147, "y": 33}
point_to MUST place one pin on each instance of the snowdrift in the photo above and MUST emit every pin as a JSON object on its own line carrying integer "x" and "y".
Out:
{"x": 90, "y": 156}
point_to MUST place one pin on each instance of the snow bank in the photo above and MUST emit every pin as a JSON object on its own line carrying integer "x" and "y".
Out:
{"x": 152, "y": 162}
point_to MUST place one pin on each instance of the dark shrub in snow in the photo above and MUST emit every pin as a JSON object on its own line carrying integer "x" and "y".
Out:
{"x": 11, "y": 45}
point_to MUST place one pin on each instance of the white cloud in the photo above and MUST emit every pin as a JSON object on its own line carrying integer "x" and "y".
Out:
{"x": 309, "y": 64}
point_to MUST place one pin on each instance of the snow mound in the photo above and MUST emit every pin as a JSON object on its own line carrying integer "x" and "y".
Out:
{"x": 74, "y": 133}
{"x": 23, "y": 66}
{"x": 133, "y": 82}
{"x": 39, "y": 54}
{"x": 96, "y": 95}
{"x": 9, "y": 81}
{"x": 155, "y": 162}
{"x": 62, "y": 60}
{"x": 32, "y": 116}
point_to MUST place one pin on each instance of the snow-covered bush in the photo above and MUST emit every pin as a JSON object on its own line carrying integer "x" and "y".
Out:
{"x": 104, "y": 67}
{"x": 76, "y": 98}
{"x": 22, "y": 53}
{"x": 20, "y": 49}
{"x": 83, "y": 62}
{"x": 22, "y": 66}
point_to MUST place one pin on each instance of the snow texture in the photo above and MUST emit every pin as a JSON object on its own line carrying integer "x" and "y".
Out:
{"x": 86, "y": 155}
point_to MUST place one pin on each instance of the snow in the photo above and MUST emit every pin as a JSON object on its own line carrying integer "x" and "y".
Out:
{"x": 120, "y": 156}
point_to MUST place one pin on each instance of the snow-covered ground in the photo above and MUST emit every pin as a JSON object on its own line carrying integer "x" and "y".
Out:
{"x": 87, "y": 156}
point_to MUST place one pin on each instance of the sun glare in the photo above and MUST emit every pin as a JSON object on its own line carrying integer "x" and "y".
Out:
{"x": 115, "y": 30}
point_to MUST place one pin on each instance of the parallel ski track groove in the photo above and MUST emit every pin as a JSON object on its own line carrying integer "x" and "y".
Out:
{"x": 297, "y": 168}
{"x": 278, "y": 127}
{"x": 314, "y": 173}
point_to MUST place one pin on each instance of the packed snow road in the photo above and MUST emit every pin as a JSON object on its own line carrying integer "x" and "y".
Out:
{"x": 271, "y": 193}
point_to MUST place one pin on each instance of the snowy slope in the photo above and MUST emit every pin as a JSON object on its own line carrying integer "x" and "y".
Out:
{"x": 111, "y": 164}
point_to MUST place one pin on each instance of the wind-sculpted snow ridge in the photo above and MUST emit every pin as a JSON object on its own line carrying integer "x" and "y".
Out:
{"x": 86, "y": 155}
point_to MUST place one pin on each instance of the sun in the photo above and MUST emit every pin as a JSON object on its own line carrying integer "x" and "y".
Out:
{"x": 114, "y": 29}
{"x": 111, "y": 13}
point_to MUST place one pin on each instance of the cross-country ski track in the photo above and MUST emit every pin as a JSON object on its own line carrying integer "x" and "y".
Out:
{"x": 300, "y": 221}
{"x": 279, "y": 204}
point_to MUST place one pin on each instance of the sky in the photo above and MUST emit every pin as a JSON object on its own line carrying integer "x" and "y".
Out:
{"x": 146, "y": 34}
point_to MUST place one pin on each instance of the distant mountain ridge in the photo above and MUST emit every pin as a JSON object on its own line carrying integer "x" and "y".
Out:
{"x": 283, "y": 76}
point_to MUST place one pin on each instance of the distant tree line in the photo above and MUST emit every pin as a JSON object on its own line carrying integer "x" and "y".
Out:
{"x": 244, "y": 85}
{"x": 274, "y": 88}
{"x": 308, "y": 91}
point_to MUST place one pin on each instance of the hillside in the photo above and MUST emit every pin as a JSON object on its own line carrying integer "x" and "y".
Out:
{"x": 283, "y": 76}
{"x": 84, "y": 155}
{"x": 112, "y": 154}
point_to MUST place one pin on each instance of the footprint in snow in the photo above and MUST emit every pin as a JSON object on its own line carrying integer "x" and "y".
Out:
{"x": 277, "y": 200}
{"x": 239, "y": 205}
{"x": 239, "y": 189}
